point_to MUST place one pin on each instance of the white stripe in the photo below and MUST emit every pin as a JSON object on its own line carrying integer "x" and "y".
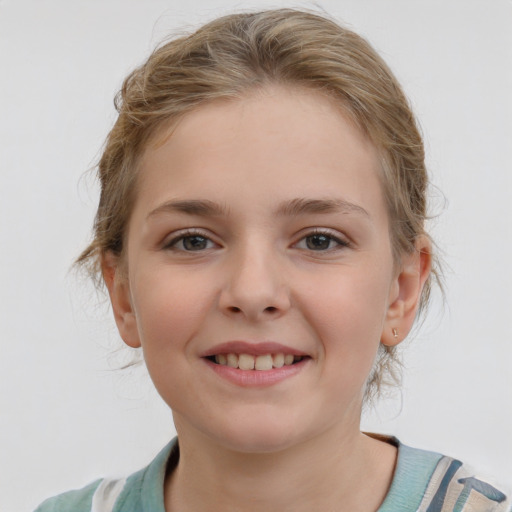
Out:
{"x": 106, "y": 495}
{"x": 476, "y": 502}
{"x": 434, "y": 482}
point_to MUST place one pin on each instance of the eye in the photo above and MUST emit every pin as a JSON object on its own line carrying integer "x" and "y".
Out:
{"x": 190, "y": 242}
{"x": 321, "y": 241}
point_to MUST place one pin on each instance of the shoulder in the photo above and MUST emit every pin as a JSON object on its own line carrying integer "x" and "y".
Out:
{"x": 457, "y": 486}
{"x": 102, "y": 495}
{"x": 445, "y": 484}
{"x": 77, "y": 500}
{"x": 142, "y": 490}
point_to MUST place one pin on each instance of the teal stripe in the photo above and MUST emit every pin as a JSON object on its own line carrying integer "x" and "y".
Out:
{"x": 76, "y": 500}
{"x": 412, "y": 475}
{"x": 144, "y": 490}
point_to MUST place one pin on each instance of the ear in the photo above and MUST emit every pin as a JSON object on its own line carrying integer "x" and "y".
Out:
{"x": 406, "y": 291}
{"x": 119, "y": 290}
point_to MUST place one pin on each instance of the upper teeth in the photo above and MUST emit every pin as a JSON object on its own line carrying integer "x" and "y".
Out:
{"x": 249, "y": 362}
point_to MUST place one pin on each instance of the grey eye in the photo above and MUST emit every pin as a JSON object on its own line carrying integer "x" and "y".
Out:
{"x": 319, "y": 242}
{"x": 195, "y": 243}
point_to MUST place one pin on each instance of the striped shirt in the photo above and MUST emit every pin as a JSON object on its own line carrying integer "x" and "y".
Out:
{"x": 423, "y": 482}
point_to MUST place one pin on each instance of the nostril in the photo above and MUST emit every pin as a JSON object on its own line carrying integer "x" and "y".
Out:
{"x": 236, "y": 309}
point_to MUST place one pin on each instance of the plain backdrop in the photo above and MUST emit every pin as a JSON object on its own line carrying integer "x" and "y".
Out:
{"x": 67, "y": 416}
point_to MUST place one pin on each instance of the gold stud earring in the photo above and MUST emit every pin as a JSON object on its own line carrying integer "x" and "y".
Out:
{"x": 395, "y": 333}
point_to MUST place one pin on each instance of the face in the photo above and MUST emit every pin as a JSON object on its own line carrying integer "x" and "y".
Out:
{"x": 260, "y": 237}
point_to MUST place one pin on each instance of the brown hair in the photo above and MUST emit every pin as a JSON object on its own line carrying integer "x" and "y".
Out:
{"x": 234, "y": 54}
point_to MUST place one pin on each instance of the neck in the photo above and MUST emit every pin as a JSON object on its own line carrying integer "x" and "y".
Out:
{"x": 310, "y": 476}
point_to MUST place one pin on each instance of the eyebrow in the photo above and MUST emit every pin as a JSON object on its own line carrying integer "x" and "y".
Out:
{"x": 297, "y": 206}
{"x": 200, "y": 207}
{"x": 300, "y": 206}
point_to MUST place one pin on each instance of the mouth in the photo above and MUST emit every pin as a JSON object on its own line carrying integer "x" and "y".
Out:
{"x": 255, "y": 364}
{"x": 260, "y": 362}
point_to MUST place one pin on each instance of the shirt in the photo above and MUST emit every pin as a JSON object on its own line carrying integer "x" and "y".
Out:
{"x": 423, "y": 481}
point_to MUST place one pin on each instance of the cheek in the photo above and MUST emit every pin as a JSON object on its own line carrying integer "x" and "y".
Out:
{"x": 168, "y": 309}
{"x": 349, "y": 315}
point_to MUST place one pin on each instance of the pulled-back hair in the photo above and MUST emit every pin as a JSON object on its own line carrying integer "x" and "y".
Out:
{"x": 235, "y": 54}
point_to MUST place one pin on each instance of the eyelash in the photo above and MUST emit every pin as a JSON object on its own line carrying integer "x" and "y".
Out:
{"x": 328, "y": 235}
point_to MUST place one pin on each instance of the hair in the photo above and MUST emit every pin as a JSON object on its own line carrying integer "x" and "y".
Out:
{"x": 236, "y": 54}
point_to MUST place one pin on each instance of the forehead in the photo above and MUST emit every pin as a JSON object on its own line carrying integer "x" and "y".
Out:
{"x": 266, "y": 130}
{"x": 255, "y": 154}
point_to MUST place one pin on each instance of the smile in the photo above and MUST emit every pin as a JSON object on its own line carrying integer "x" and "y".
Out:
{"x": 263, "y": 362}
{"x": 256, "y": 364}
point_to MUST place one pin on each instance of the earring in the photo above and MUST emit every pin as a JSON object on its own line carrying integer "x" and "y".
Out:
{"x": 395, "y": 333}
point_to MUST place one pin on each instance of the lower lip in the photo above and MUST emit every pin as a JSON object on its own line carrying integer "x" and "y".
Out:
{"x": 256, "y": 378}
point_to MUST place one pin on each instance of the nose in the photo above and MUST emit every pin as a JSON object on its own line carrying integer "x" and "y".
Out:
{"x": 254, "y": 285}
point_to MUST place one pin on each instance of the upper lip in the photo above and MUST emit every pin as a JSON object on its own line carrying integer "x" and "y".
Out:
{"x": 256, "y": 349}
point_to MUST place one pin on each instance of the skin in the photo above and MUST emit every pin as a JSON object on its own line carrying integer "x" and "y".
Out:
{"x": 323, "y": 282}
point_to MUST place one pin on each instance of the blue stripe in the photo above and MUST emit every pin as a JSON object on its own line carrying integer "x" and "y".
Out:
{"x": 436, "y": 505}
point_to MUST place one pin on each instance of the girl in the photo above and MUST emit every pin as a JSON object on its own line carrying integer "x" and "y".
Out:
{"x": 261, "y": 235}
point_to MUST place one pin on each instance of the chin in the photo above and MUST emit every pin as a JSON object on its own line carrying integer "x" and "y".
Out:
{"x": 257, "y": 436}
{"x": 252, "y": 429}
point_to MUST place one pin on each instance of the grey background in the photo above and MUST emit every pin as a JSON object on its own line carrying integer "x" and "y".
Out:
{"x": 66, "y": 416}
